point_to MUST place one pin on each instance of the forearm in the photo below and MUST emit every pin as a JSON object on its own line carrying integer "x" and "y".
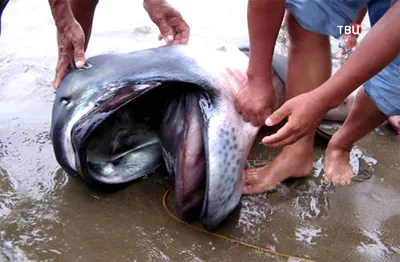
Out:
{"x": 145, "y": 2}
{"x": 61, "y": 12}
{"x": 83, "y": 11}
{"x": 264, "y": 19}
{"x": 378, "y": 49}
{"x": 149, "y": 4}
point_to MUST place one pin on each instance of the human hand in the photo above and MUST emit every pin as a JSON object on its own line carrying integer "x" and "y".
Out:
{"x": 350, "y": 41}
{"x": 347, "y": 44}
{"x": 304, "y": 112}
{"x": 173, "y": 28}
{"x": 256, "y": 100}
{"x": 71, "y": 43}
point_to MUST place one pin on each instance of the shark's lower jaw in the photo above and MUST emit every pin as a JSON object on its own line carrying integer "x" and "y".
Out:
{"x": 181, "y": 135}
{"x": 205, "y": 144}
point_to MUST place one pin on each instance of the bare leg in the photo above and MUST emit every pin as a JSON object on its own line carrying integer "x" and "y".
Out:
{"x": 364, "y": 116}
{"x": 83, "y": 11}
{"x": 309, "y": 66}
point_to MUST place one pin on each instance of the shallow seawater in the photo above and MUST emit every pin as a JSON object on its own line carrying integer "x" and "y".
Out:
{"x": 47, "y": 215}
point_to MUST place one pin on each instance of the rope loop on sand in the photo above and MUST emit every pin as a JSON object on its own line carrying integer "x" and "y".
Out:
{"x": 227, "y": 238}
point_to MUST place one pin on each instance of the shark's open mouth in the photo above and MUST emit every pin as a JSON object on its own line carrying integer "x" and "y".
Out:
{"x": 128, "y": 136}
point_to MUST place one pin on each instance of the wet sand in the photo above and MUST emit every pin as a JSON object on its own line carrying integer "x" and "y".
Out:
{"x": 47, "y": 215}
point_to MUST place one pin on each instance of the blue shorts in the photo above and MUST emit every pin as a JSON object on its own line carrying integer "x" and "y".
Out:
{"x": 384, "y": 88}
{"x": 324, "y": 17}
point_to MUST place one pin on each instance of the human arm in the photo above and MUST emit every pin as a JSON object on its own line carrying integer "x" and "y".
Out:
{"x": 173, "y": 28}
{"x": 70, "y": 39}
{"x": 61, "y": 12}
{"x": 305, "y": 111}
{"x": 256, "y": 100}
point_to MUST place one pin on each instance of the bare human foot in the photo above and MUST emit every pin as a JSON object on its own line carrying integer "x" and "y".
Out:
{"x": 394, "y": 121}
{"x": 294, "y": 161}
{"x": 336, "y": 165}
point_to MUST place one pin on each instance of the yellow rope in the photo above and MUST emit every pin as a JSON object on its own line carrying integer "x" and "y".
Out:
{"x": 266, "y": 250}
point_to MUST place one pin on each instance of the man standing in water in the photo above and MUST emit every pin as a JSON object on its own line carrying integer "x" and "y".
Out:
{"x": 74, "y": 18}
{"x": 311, "y": 92}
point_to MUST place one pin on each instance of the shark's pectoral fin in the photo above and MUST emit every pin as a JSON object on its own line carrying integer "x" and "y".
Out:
{"x": 227, "y": 142}
{"x": 183, "y": 152}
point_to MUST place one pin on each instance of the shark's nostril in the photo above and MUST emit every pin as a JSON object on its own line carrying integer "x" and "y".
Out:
{"x": 85, "y": 66}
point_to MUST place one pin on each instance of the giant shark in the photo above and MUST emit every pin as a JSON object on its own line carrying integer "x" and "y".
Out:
{"x": 125, "y": 114}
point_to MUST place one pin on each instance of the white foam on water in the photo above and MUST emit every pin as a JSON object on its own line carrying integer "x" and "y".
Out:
{"x": 355, "y": 155}
{"x": 308, "y": 235}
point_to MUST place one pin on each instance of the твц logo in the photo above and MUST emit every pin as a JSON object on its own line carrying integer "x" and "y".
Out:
{"x": 354, "y": 29}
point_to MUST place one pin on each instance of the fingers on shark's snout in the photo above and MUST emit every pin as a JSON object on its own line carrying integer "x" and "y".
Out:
{"x": 61, "y": 71}
{"x": 165, "y": 31}
{"x": 79, "y": 53}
